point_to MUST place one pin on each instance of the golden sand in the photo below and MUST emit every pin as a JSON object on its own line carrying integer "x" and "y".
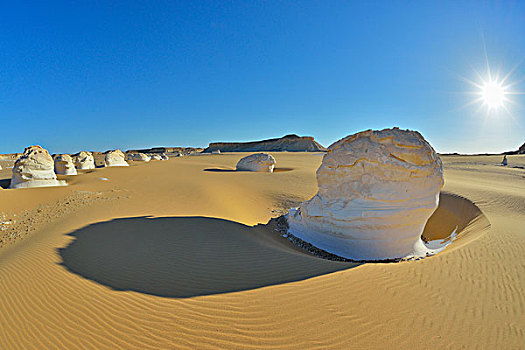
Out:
{"x": 176, "y": 254}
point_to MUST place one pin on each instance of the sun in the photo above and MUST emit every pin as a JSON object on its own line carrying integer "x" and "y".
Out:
{"x": 493, "y": 90}
{"x": 493, "y": 94}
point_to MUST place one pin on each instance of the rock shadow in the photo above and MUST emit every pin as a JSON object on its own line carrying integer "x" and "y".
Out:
{"x": 188, "y": 256}
{"x": 4, "y": 183}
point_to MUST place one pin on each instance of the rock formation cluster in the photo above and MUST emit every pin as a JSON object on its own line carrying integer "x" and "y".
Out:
{"x": 35, "y": 168}
{"x": 85, "y": 160}
{"x": 260, "y": 162}
{"x": 377, "y": 190}
{"x": 64, "y": 165}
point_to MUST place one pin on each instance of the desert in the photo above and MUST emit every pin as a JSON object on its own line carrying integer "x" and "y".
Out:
{"x": 339, "y": 175}
{"x": 80, "y": 264}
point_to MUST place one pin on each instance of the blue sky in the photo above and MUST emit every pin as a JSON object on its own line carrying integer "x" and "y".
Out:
{"x": 94, "y": 75}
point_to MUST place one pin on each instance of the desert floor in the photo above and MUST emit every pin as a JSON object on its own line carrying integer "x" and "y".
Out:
{"x": 177, "y": 254}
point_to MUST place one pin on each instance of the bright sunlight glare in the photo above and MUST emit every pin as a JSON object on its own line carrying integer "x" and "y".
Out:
{"x": 493, "y": 94}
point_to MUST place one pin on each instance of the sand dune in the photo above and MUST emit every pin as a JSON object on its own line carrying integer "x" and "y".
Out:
{"x": 175, "y": 255}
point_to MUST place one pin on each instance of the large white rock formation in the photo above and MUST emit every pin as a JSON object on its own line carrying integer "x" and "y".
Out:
{"x": 85, "y": 160}
{"x": 140, "y": 157}
{"x": 377, "y": 190}
{"x": 35, "y": 168}
{"x": 115, "y": 158}
{"x": 64, "y": 165}
{"x": 261, "y": 162}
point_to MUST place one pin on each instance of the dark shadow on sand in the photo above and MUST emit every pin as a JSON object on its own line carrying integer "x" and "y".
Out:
{"x": 4, "y": 183}
{"x": 188, "y": 256}
{"x": 219, "y": 170}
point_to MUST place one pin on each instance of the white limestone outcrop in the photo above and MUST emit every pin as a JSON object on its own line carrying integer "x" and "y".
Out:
{"x": 140, "y": 157}
{"x": 377, "y": 190}
{"x": 261, "y": 162}
{"x": 35, "y": 168}
{"x": 85, "y": 160}
{"x": 115, "y": 158}
{"x": 163, "y": 156}
{"x": 64, "y": 165}
{"x": 156, "y": 157}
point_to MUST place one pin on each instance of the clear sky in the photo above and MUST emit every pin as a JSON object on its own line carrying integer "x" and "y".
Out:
{"x": 97, "y": 75}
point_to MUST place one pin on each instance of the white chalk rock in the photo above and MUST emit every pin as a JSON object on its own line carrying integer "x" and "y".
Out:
{"x": 165, "y": 157}
{"x": 156, "y": 157}
{"x": 140, "y": 157}
{"x": 217, "y": 151}
{"x": 115, "y": 158}
{"x": 35, "y": 168}
{"x": 64, "y": 165}
{"x": 85, "y": 160}
{"x": 261, "y": 162}
{"x": 377, "y": 190}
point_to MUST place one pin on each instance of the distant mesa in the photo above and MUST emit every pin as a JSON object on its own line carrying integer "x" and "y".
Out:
{"x": 259, "y": 162}
{"x": 35, "y": 168}
{"x": 84, "y": 160}
{"x": 64, "y": 165}
{"x": 288, "y": 143}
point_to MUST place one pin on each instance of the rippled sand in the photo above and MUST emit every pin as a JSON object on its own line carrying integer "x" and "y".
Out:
{"x": 178, "y": 254}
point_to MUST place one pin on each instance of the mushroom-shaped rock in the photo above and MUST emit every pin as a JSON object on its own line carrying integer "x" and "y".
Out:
{"x": 163, "y": 156}
{"x": 261, "y": 162}
{"x": 115, "y": 158}
{"x": 64, "y": 165}
{"x": 377, "y": 190}
{"x": 35, "y": 168}
{"x": 156, "y": 157}
{"x": 140, "y": 157}
{"x": 85, "y": 160}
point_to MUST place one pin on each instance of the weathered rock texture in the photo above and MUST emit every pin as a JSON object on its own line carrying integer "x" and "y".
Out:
{"x": 85, "y": 160}
{"x": 139, "y": 157}
{"x": 115, "y": 158}
{"x": 64, "y": 165}
{"x": 35, "y": 168}
{"x": 261, "y": 162}
{"x": 100, "y": 159}
{"x": 377, "y": 190}
{"x": 289, "y": 143}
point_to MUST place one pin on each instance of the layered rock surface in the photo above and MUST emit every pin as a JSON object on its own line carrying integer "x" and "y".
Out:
{"x": 260, "y": 162}
{"x": 139, "y": 157}
{"x": 289, "y": 143}
{"x": 64, "y": 165}
{"x": 85, "y": 160}
{"x": 115, "y": 158}
{"x": 377, "y": 190}
{"x": 35, "y": 168}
